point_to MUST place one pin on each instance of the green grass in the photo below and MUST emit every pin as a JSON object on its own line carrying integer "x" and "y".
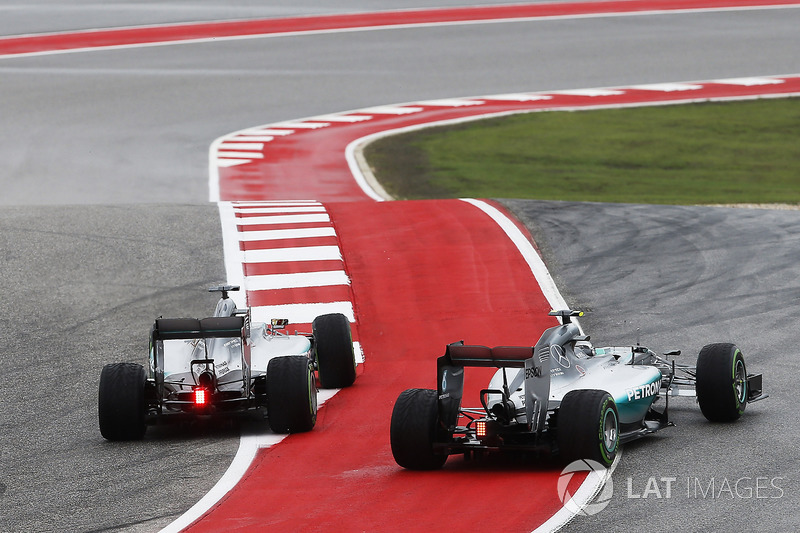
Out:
{"x": 717, "y": 153}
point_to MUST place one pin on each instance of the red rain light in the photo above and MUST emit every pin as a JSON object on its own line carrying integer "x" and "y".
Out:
{"x": 480, "y": 429}
{"x": 200, "y": 396}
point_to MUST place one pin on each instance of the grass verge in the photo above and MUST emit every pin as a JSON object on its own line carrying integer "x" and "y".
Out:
{"x": 708, "y": 153}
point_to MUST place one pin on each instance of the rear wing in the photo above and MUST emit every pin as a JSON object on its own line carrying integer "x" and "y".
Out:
{"x": 535, "y": 360}
{"x": 499, "y": 356}
{"x": 203, "y": 328}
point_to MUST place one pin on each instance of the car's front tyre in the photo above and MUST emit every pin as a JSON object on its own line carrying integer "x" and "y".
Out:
{"x": 588, "y": 427}
{"x": 721, "y": 382}
{"x": 121, "y": 404}
{"x": 336, "y": 360}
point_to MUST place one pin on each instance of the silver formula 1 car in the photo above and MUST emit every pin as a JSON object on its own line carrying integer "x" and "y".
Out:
{"x": 562, "y": 396}
{"x": 225, "y": 365}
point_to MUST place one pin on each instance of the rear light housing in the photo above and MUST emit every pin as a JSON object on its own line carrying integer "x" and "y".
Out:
{"x": 201, "y": 397}
{"x": 480, "y": 429}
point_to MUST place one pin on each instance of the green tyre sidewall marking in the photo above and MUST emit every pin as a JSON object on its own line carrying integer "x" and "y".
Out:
{"x": 605, "y": 410}
{"x": 312, "y": 397}
{"x": 737, "y": 356}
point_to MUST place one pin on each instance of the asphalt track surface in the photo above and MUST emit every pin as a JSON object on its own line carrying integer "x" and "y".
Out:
{"x": 84, "y": 279}
{"x": 680, "y": 278}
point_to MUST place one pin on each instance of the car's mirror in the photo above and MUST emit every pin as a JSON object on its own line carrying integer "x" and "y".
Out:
{"x": 279, "y": 323}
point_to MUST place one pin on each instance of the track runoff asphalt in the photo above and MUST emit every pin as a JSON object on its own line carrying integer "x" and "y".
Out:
{"x": 672, "y": 277}
{"x": 81, "y": 287}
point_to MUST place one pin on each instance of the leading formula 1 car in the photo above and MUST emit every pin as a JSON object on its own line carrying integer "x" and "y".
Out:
{"x": 224, "y": 365}
{"x": 562, "y": 396}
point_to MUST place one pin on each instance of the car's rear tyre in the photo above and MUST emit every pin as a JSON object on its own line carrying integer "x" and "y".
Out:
{"x": 336, "y": 360}
{"x": 588, "y": 427}
{"x": 291, "y": 394}
{"x": 121, "y": 404}
{"x": 414, "y": 430}
{"x": 721, "y": 382}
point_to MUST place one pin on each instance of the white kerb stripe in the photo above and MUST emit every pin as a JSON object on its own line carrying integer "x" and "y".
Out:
{"x": 303, "y": 253}
{"x": 283, "y": 219}
{"x": 247, "y": 138}
{"x": 588, "y": 92}
{"x": 276, "y": 203}
{"x": 278, "y": 234}
{"x": 750, "y": 82}
{"x": 266, "y": 131}
{"x": 519, "y": 97}
{"x": 392, "y": 110}
{"x": 451, "y": 102}
{"x": 358, "y": 351}
{"x": 239, "y": 155}
{"x": 230, "y": 144}
{"x": 232, "y": 162}
{"x": 351, "y": 119}
{"x": 302, "y": 125}
{"x": 668, "y": 87}
{"x": 281, "y": 210}
{"x": 296, "y": 280}
{"x": 301, "y": 313}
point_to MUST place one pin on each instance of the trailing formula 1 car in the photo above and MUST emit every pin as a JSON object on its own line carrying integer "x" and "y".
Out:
{"x": 562, "y": 396}
{"x": 225, "y": 365}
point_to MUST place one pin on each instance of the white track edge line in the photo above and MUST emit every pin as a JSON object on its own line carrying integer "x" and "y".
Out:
{"x": 582, "y": 497}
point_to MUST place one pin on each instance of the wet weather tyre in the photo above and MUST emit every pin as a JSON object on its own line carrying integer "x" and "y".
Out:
{"x": 588, "y": 427}
{"x": 121, "y": 404}
{"x": 336, "y": 360}
{"x": 721, "y": 382}
{"x": 414, "y": 430}
{"x": 291, "y": 394}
